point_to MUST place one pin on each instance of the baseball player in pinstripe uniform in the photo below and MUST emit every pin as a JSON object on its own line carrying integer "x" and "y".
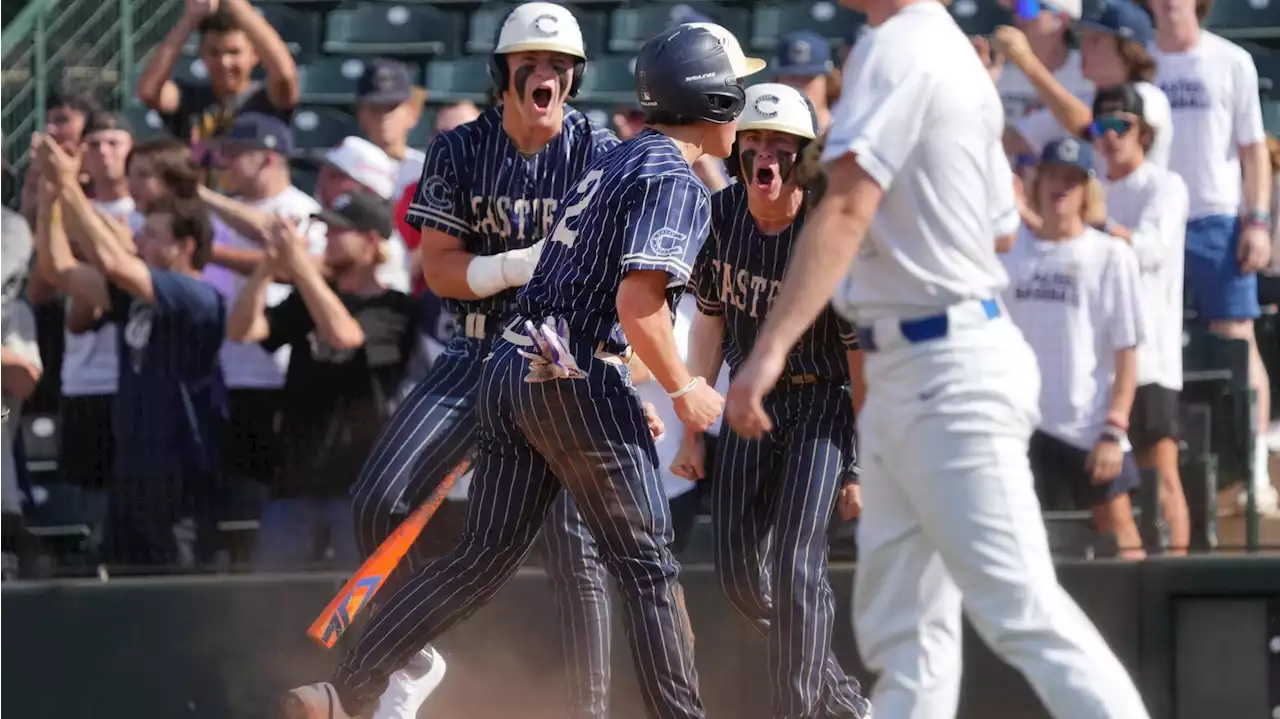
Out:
{"x": 619, "y": 255}
{"x": 773, "y": 500}
{"x": 488, "y": 193}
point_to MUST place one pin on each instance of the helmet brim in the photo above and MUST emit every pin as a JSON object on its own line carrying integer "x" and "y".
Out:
{"x": 537, "y": 45}
{"x": 783, "y": 127}
{"x": 753, "y": 65}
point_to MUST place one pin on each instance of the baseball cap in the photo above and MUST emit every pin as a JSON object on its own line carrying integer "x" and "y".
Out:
{"x": 1068, "y": 151}
{"x": 803, "y": 53}
{"x": 384, "y": 82}
{"x": 359, "y": 211}
{"x": 1121, "y": 18}
{"x": 258, "y": 131}
{"x": 365, "y": 163}
{"x": 1030, "y": 9}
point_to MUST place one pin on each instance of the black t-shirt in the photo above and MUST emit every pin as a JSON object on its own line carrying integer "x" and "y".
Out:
{"x": 336, "y": 402}
{"x": 206, "y": 115}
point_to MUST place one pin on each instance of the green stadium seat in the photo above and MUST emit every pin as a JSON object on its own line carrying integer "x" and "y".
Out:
{"x": 1268, "y": 64}
{"x": 979, "y": 17}
{"x": 462, "y": 79}
{"x": 320, "y": 128}
{"x": 631, "y": 27}
{"x": 332, "y": 80}
{"x": 610, "y": 79}
{"x": 300, "y": 29}
{"x": 482, "y": 32}
{"x": 304, "y": 175}
{"x": 1271, "y": 116}
{"x": 769, "y": 22}
{"x": 397, "y": 30}
{"x": 146, "y": 122}
{"x": 1245, "y": 19}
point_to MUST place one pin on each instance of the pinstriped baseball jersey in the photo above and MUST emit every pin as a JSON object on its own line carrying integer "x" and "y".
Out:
{"x": 738, "y": 276}
{"x": 478, "y": 187}
{"x": 639, "y": 207}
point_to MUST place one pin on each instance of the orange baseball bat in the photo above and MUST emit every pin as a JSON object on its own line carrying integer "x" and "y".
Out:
{"x": 360, "y": 588}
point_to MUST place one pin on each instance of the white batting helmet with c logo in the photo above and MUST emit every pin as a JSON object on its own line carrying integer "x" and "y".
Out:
{"x": 781, "y": 108}
{"x": 541, "y": 26}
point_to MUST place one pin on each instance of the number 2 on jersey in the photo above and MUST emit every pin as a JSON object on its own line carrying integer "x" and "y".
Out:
{"x": 587, "y": 188}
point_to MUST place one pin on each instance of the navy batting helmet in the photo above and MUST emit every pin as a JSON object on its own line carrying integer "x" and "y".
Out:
{"x": 693, "y": 72}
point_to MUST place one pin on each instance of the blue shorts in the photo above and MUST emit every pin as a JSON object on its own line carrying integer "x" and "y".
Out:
{"x": 1215, "y": 289}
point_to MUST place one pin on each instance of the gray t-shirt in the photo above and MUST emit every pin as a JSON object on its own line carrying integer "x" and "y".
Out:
{"x": 15, "y": 252}
{"x": 18, "y": 335}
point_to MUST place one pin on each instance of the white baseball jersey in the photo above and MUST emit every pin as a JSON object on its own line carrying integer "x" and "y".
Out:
{"x": 926, "y": 125}
{"x": 1020, "y": 97}
{"x": 1152, "y": 204}
{"x": 1077, "y": 302}
{"x": 1041, "y": 127}
{"x": 1213, "y": 90}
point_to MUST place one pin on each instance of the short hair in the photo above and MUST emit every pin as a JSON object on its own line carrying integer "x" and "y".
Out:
{"x": 102, "y": 120}
{"x": 172, "y": 159}
{"x": 219, "y": 22}
{"x": 189, "y": 218}
{"x": 1203, "y": 8}
{"x": 82, "y": 102}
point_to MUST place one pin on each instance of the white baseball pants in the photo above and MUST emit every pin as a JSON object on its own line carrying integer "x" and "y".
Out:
{"x": 951, "y": 520}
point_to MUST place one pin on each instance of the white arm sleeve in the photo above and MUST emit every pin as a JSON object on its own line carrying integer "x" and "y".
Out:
{"x": 1162, "y": 226}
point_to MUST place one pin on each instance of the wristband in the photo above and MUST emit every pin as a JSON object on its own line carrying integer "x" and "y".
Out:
{"x": 685, "y": 389}
{"x": 485, "y": 277}
{"x": 1258, "y": 218}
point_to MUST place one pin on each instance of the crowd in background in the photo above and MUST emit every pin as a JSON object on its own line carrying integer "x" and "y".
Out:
{"x": 220, "y": 348}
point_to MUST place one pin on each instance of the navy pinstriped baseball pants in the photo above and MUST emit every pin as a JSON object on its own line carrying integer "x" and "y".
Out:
{"x": 772, "y": 506}
{"x": 432, "y": 430}
{"x": 586, "y": 436}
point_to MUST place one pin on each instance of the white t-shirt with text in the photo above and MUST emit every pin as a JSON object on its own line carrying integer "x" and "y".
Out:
{"x": 919, "y": 112}
{"x": 1019, "y": 96}
{"x": 1078, "y": 302}
{"x": 1151, "y": 202}
{"x": 1213, "y": 90}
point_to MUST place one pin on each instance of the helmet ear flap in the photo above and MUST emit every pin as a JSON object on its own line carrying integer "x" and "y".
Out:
{"x": 498, "y": 70}
{"x": 733, "y": 163}
{"x": 579, "y": 67}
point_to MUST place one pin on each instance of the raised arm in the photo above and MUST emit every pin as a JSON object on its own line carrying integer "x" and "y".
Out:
{"x": 57, "y": 265}
{"x": 334, "y": 324}
{"x": 248, "y": 319}
{"x": 1067, "y": 109}
{"x": 155, "y": 88}
{"x": 282, "y": 72}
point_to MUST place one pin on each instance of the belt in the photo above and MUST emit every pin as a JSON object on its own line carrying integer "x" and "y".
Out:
{"x": 799, "y": 380}
{"x": 475, "y": 324}
{"x": 889, "y": 333}
{"x": 605, "y": 351}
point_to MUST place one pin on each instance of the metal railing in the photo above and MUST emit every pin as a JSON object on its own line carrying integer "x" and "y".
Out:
{"x": 83, "y": 45}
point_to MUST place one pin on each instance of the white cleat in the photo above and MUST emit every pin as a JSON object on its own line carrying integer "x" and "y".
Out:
{"x": 408, "y": 688}
{"x": 314, "y": 701}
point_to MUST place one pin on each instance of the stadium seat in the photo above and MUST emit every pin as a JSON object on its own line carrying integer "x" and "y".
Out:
{"x": 1216, "y": 372}
{"x": 610, "y": 79}
{"x": 1241, "y": 19}
{"x": 600, "y": 114}
{"x": 332, "y": 80}
{"x": 769, "y": 22}
{"x": 146, "y": 122}
{"x": 304, "y": 169}
{"x": 387, "y": 29}
{"x": 1271, "y": 116}
{"x": 484, "y": 23}
{"x": 300, "y": 29}
{"x": 979, "y": 17}
{"x": 1268, "y": 64}
{"x": 462, "y": 79}
{"x": 631, "y": 27}
{"x": 316, "y": 129}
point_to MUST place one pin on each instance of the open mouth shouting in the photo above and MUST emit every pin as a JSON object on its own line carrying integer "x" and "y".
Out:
{"x": 764, "y": 177}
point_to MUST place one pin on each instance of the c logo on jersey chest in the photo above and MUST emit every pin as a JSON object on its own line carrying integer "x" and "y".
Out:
{"x": 435, "y": 192}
